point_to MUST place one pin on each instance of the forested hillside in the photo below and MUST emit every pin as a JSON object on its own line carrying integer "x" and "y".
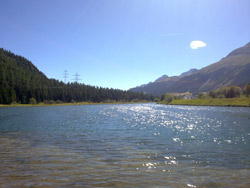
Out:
{"x": 20, "y": 81}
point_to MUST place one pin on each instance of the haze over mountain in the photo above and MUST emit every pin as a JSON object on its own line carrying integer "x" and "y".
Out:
{"x": 234, "y": 69}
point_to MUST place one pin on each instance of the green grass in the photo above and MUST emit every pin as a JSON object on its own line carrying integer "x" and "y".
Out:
{"x": 244, "y": 102}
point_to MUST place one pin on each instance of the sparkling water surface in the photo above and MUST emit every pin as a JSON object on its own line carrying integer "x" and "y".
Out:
{"x": 124, "y": 145}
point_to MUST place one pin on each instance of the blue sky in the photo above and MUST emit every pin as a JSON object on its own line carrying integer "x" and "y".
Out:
{"x": 122, "y": 43}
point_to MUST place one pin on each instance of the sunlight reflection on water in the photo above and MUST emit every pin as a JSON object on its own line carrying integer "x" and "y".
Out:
{"x": 139, "y": 145}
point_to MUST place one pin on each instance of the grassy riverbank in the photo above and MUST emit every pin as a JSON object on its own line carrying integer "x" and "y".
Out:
{"x": 244, "y": 102}
{"x": 68, "y": 104}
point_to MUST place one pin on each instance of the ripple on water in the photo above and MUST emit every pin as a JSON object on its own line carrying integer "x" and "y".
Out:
{"x": 135, "y": 145}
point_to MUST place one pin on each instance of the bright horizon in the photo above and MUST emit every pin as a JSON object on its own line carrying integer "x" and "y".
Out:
{"x": 126, "y": 43}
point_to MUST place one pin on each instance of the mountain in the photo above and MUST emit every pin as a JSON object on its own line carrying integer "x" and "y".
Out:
{"x": 189, "y": 72}
{"x": 162, "y": 78}
{"x": 21, "y": 81}
{"x": 157, "y": 87}
{"x": 234, "y": 69}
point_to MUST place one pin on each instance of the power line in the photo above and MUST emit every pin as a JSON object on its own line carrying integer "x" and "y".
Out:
{"x": 65, "y": 75}
{"x": 76, "y": 77}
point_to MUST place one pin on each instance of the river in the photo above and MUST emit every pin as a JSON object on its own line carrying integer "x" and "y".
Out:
{"x": 124, "y": 145}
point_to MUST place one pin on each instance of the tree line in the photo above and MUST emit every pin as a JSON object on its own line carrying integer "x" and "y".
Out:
{"x": 21, "y": 82}
{"x": 225, "y": 92}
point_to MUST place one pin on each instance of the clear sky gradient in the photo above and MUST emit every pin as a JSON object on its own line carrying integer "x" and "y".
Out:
{"x": 122, "y": 43}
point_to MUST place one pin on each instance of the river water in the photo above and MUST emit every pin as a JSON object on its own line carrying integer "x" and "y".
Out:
{"x": 124, "y": 145}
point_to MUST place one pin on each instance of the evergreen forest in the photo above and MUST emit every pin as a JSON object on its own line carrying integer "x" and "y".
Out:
{"x": 21, "y": 82}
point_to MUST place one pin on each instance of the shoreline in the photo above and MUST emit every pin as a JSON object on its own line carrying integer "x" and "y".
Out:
{"x": 67, "y": 104}
{"x": 228, "y": 102}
